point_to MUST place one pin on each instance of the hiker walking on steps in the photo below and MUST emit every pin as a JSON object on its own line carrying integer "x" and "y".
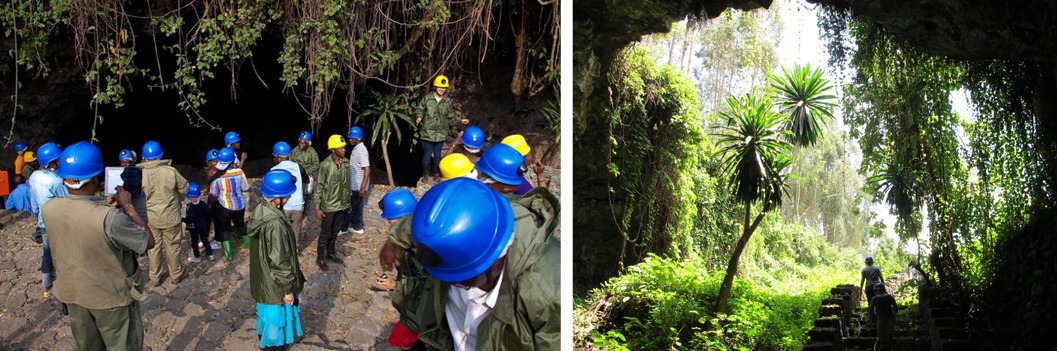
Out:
{"x": 884, "y": 308}
{"x": 871, "y": 275}
{"x": 332, "y": 200}
{"x": 96, "y": 249}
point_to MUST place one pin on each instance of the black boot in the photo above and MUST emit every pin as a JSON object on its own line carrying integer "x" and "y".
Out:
{"x": 321, "y": 253}
{"x": 331, "y": 254}
{"x": 426, "y": 172}
{"x": 435, "y": 167}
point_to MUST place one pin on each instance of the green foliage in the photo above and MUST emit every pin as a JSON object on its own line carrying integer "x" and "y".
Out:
{"x": 663, "y": 304}
{"x": 827, "y": 191}
{"x": 752, "y": 149}
{"x": 978, "y": 176}
{"x": 387, "y": 112}
{"x": 656, "y": 159}
{"x": 806, "y": 97}
{"x": 328, "y": 44}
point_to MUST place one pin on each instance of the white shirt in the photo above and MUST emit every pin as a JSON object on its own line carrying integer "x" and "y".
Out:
{"x": 358, "y": 159}
{"x": 465, "y": 310}
{"x": 297, "y": 200}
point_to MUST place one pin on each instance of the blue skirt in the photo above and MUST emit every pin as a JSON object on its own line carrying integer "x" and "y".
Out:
{"x": 278, "y": 325}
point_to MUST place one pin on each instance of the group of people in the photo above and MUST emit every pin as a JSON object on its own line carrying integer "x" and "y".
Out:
{"x": 882, "y": 305}
{"x": 483, "y": 244}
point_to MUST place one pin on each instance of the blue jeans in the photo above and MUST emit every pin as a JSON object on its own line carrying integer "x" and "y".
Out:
{"x": 47, "y": 269}
{"x": 432, "y": 151}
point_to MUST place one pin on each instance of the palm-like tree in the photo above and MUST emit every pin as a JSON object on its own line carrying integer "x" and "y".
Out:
{"x": 805, "y": 96}
{"x": 388, "y": 111}
{"x": 757, "y": 144}
{"x": 755, "y": 155}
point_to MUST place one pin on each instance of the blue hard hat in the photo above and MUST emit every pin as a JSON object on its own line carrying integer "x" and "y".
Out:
{"x": 281, "y": 149}
{"x": 473, "y": 137}
{"x": 355, "y": 133}
{"x": 502, "y": 163}
{"x": 460, "y": 227}
{"x": 48, "y": 153}
{"x": 879, "y": 287}
{"x": 211, "y": 155}
{"x": 192, "y": 190}
{"x": 231, "y": 138}
{"x": 226, "y": 155}
{"x": 19, "y": 146}
{"x": 398, "y": 203}
{"x": 278, "y": 183}
{"x": 80, "y": 161}
{"x": 152, "y": 150}
{"x": 869, "y": 259}
{"x": 305, "y": 135}
{"x": 126, "y": 155}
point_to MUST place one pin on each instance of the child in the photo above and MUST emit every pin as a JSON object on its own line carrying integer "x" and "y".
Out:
{"x": 198, "y": 218}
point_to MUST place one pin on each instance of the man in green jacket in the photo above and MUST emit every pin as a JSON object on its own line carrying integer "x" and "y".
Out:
{"x": 163, "y": 186}
{"x": 496, "y": 265}
{"x": 333, "y": 197}
{"x": 275, "y": 275}
{"x": 307, "y": 157}
{"x": 96, "y": 248}
{"x": 434, "y": 115}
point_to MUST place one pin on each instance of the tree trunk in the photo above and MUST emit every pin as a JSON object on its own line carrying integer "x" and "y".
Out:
{"x": 732, "y": 266}
{"x": 385, "y": 157}
{"x": 519, "y": 82}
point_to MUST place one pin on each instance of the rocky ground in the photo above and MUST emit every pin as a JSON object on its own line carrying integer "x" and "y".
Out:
{"x": 212, "y": 308}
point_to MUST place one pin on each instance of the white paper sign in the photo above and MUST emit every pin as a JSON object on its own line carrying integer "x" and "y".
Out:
{"x": 113, "y": 180}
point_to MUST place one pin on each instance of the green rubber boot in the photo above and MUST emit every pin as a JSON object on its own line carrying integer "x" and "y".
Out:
{"x": 246, "y": 241}
{"x": 227, "y": 251}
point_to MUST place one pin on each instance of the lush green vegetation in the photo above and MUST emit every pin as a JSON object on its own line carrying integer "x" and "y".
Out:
{"x": 689, "y": 190}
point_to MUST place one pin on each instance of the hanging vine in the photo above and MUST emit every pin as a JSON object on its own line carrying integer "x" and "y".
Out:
{"x": 328, "y": 45}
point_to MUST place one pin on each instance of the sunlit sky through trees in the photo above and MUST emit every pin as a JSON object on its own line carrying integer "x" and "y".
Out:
{"x": 800, "y": 42}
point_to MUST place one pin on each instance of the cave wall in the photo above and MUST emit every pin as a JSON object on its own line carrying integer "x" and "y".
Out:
{"x": 600, "y": 30}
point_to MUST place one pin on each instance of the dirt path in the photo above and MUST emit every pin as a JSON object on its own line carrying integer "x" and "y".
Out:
{"x": 212, "y": 308}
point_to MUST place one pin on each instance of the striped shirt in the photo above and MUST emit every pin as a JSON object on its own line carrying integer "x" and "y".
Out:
{"x": 228, "y": 189}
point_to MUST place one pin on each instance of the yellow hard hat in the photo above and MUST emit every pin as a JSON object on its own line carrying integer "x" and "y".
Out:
{"x": 441, "y": 81}
{"x": 29, "y": 156}
{"x": 517, "y": 142}
{"x": 335, "y": 141}
{"x": 454, "y": 166}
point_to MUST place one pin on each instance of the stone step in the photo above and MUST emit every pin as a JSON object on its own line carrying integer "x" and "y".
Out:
{"x": 828, "y": 323}
{"x": 953, "y": 345}
{"x": 821, "y": 346}
{"x": 949, "y": 334}
{"x": 824, "y": 335}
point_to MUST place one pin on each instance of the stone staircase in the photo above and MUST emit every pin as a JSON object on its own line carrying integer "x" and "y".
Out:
{"x": 843, "y": 326}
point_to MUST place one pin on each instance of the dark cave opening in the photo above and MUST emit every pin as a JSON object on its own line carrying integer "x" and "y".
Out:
{"x": 260, "y": 112}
